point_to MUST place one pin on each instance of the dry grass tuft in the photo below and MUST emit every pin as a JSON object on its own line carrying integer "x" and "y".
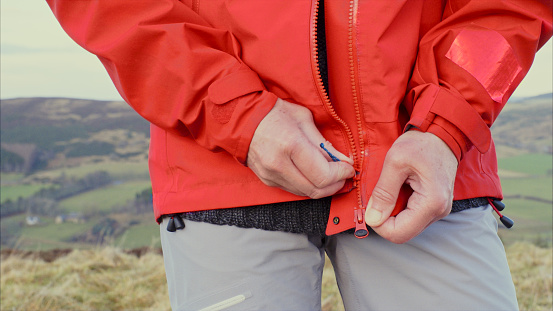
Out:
{"x": 532, "y": 270}
{"x": 103, "y": 279}
{"x": 110, "y": 279}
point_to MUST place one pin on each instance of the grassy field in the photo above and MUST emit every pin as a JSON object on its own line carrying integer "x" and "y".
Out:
{"x": 47, "y": 235}
{"x": 125, "y": 170}
{"x": 7, "y": 178}
{"x": 105, "y": 198}
{"x": 57, "y": 232}
{"x": 18, "y": 185}
{"x": 141, "y": 231}
{"x": 532, "y": 164}
{"x": 529, "y": 176}
{"x": 13, "y": 192}
{"x": 533, "y": 222}
{"x": 146, "y": 234}
{"x": 539, "y": 187}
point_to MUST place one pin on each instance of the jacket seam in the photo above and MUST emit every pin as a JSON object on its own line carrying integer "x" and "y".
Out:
{"x": 171, "y": 171}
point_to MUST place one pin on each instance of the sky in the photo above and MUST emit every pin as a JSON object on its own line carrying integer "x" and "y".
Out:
{"x": 39, "y": 60}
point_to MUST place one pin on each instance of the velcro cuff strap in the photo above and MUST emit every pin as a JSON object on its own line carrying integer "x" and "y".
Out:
{"x": 437, "y": 101}
{"x": 421, "y": 117}
{"x": 465, "y": 118}
{"x": 234, "y": 85}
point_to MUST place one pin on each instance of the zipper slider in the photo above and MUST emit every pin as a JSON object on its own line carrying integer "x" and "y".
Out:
{"x": 360, "y": 226}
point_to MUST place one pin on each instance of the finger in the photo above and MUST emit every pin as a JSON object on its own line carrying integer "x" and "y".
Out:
{"x": 385, "y": 194}
{"x": 405, "y": 226}
{"x": 316, "y": 168}
{"x": 321, "y": 174}
{"x": 279, "y": 170}
{"x": 289, "y": 178}
{"x": 423, "y": 209}
{"x": 332, "y": 153}
{"x": 316, "y": 138}
{"x": 282, "y": 173}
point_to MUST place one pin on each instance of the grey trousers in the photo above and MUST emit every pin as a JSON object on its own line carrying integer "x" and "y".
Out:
{"x": 458, "y": 263}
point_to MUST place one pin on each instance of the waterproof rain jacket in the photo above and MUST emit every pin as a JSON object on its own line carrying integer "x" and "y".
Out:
{"x": 206, "y": 72}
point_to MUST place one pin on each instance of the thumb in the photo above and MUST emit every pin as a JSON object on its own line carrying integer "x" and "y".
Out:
{"x": 384, "y": 196}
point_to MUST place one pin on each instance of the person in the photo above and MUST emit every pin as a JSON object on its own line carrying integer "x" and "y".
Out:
{"x": 281, "y": 130}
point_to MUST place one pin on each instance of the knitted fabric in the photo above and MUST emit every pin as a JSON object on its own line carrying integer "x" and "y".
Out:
{"x": 308, "y": 216}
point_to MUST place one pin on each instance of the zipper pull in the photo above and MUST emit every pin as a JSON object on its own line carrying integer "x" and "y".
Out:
{"x": 333, "y": 157}
{"x": 360, "y": 226}
{"x": 175, "y": 223}
{"x": 171, "y": 225}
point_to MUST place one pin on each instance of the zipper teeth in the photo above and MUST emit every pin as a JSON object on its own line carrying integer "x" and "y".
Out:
{"x": 352, "y": 9}
{"x": 324, "y": 92}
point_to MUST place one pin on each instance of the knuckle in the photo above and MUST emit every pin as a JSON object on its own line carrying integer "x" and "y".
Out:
{"x": 264, "y": 177}
{"x": 294, "y": 143}
{"x": 268, "y": 182}
{"x": 441, "y": 204}
{"x": 316, "y": 193}
{"x": 294, "y": 148}
{"x": 396, "y": 159}
{"x": 446, "y": 210}
{"x": 267, "y": 177}
{"x": 383, "y": 195}
{"x": 303, "y": 114}
{"x": 321, "y": 180}
{"x": 393, "y": 155}
{"x": 272, "y": 165}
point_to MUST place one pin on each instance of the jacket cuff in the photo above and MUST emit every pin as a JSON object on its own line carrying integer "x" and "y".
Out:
{"x": 237, "y": 103}
{"x": 264, "y": 102}
{"x": 448, "y": 137}
{"x": 447, "y": 115}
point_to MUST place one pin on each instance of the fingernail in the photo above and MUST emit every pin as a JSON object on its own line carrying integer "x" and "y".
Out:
{"x": 372, "y": 216}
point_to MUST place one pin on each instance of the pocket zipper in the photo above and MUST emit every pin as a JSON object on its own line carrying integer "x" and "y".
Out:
{"x": 226, "y": 303}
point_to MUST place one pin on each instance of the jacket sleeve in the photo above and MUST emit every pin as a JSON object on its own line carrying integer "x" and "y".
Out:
{"x": 173, "y": 68}
{"x": 470, "y": 63}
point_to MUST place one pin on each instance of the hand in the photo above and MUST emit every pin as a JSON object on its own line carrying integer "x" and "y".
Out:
{"x": 285, "y": 153}
{"x": 425, "y": 162}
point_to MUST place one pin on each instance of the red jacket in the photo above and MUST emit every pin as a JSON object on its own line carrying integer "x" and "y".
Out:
{"x": 205, "y": 73}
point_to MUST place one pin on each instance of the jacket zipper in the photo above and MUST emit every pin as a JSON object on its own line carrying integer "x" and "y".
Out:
{"x": 359, "y": 210}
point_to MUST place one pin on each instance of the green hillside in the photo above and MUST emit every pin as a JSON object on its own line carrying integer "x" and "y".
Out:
{"x": 528, "y": 197}
{"x": 105, "y": 198}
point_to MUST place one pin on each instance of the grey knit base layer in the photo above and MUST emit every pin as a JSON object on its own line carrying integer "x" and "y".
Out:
{"x": 307, "y": 216}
